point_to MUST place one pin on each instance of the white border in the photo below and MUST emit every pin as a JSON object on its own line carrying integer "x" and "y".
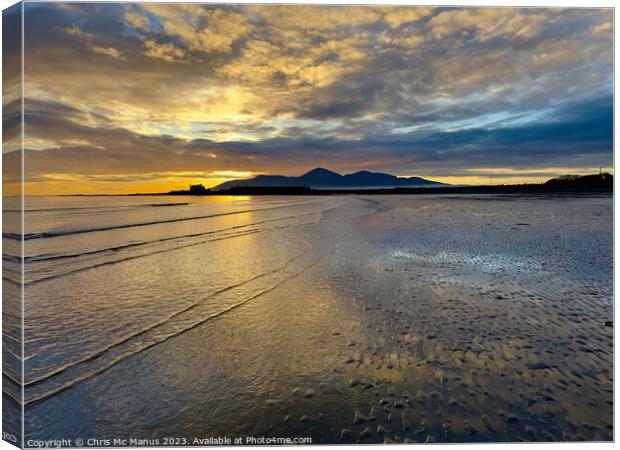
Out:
{"x": 497, "y": 3}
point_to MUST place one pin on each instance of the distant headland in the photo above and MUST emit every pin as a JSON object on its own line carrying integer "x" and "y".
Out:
{"x": 325, "y": 182}
{"x": 322, "y": 182}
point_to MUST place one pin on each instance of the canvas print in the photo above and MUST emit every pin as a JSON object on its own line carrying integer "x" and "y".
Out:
{"x": 243, "y": 224}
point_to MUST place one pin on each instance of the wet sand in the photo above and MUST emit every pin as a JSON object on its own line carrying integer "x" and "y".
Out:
{"x": 395, "y": 319}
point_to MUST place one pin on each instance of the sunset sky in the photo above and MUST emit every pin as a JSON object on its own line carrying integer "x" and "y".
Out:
{"x": 141, "y": 97}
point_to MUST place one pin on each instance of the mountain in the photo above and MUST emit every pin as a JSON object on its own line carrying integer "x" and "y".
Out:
{"x": 326, "y": 179}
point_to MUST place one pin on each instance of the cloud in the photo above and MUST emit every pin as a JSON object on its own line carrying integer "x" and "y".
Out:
{"x": 484, "y": 24}
{"x": 168, "y": 52}
{"x": 89, "y": 38}
{"x": 580, "y": 136}
{"x": 200, "y": 29}
{"x": 108, "y": 51}
{"x": 315, "y": 20}
{"x": 137, "y": 21}
{"x": 75, "y": 31}
{"x": 399, "y": 16}
{"x": 155, "y": 87}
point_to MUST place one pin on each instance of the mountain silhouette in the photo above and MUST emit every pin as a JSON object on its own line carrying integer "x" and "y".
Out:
{"x": 321, "y": 178}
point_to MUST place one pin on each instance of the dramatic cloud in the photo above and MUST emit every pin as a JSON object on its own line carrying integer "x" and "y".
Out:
{"x": 126, "y": 97}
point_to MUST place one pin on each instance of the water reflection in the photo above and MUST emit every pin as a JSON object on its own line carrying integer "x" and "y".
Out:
{"x": 330, "y": 317}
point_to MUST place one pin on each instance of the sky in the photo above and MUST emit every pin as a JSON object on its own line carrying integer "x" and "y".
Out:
{"x": 138, "y": 97}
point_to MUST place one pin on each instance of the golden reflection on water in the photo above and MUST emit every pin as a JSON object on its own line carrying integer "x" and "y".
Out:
{"x": 225, "y": 198}
{"x": 272, "y": 361}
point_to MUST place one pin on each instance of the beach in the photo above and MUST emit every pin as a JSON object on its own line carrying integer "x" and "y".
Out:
{"x": 447, "y": 318}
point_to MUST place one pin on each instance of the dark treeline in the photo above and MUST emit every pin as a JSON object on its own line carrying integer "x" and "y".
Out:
{"x": 603, "y": 180}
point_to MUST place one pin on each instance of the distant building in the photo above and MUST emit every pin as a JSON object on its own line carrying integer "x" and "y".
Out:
{"x": 197, "y": 189}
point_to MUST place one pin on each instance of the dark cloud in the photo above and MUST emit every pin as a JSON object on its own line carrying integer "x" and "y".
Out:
{"x": 580, "y": 136}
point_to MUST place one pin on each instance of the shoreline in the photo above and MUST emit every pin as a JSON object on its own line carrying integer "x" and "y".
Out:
{"x": 525, "y": 189}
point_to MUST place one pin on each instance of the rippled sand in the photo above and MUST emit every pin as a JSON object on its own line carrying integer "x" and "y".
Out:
{"x": 344, "y": 319}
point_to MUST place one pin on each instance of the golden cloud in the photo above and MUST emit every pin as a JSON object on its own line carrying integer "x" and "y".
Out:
{"x": 202, "y": 30}
{"x": 137, "y": 21}
{"x": 167, "y": 52}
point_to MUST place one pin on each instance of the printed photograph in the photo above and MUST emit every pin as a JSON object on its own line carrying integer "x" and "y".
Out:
{"x": 251, "y": 224}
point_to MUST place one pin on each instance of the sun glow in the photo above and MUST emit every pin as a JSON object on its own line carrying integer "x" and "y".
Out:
{"x": 127, "y": 183}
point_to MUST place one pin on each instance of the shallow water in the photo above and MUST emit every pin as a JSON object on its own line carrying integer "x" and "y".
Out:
{"x": 343, "y": 319}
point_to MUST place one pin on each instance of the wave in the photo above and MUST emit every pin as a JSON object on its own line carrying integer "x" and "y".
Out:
{"x": 11, "y": 388}
{"x": 166, "y": 250}
{"x": 88, "y": 208}
{"x": 68, "y": 232}
{"x": 176, "y": 323}
{"x": 158, "y": 340}
{"x": 151, "y": 327}
{"x": 144, "y": 255}
{"x": 11, "y": 258}
{"x": 161, "y": 205}
{"x": 48, "y": 257}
